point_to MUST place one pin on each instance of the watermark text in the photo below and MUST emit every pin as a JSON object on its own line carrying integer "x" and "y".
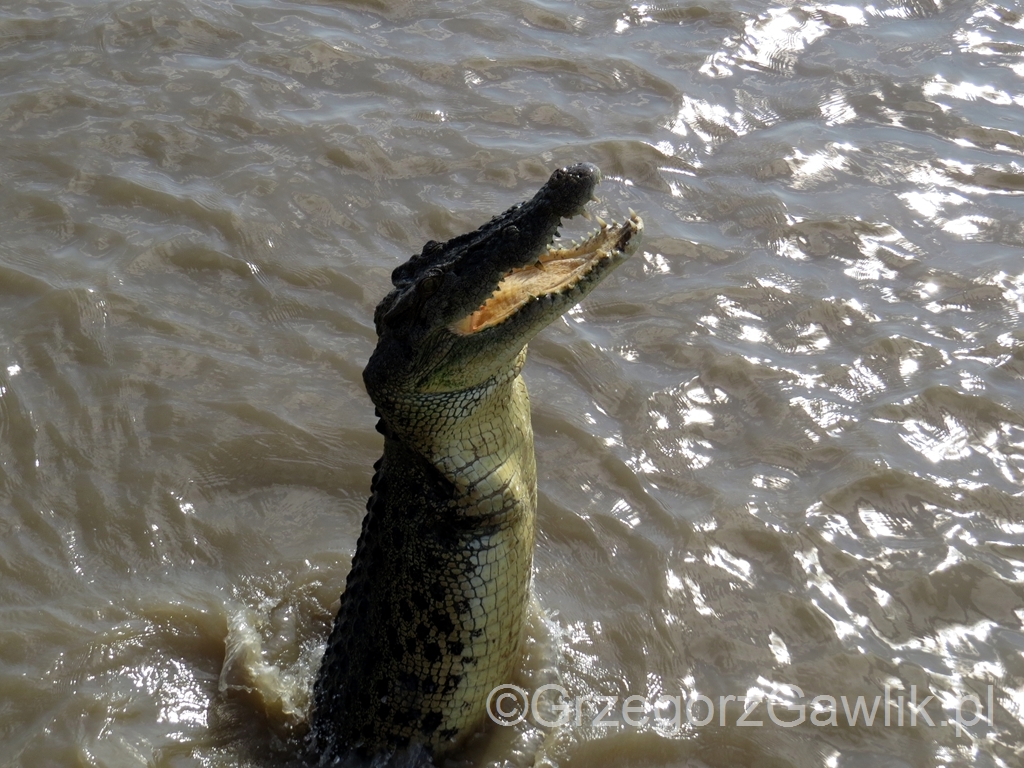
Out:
{"x": 551, "y": 706}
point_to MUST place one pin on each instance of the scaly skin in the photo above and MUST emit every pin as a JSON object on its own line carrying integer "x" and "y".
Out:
{"x": 432, "y": 614}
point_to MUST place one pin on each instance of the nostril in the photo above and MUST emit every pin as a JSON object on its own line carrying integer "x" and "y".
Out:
{"x": 592, "y": 170}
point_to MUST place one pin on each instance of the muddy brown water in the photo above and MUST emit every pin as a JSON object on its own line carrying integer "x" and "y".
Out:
{"x": 781, "y": 450}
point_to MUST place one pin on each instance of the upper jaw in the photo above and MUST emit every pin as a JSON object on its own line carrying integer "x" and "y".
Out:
{"x": 517, "y": 238}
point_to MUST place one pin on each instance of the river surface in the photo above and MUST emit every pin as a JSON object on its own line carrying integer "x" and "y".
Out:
{"x": 780, "y": 450}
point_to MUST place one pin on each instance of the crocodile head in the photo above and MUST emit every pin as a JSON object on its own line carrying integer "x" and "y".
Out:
{"x": 461, "y": 312}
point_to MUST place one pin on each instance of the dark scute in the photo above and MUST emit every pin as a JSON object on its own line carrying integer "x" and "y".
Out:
{"x": 452, "y": 682}
{"x": 420, "y": 601}
{"x": 432, "y": 652}
{"x": 430, "y": 722}
{"x": 445, "y": 625}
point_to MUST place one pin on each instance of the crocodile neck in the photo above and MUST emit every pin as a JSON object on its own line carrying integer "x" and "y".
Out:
{"x": 433, "y": 611}
{"x": 480, "y": 439}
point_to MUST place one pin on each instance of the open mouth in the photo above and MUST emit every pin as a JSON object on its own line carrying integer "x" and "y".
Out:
{"x": 556, "y": 272}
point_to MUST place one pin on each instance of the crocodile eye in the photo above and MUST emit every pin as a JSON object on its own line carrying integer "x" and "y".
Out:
{"x": 429, "y": 285}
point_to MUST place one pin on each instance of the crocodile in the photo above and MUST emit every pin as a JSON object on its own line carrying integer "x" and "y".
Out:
{"x": 433, "y": 610}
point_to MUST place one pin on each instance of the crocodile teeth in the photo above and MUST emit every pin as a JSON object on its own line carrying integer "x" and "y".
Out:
{"x": 586, "y": 214}
{"x": 558, "y": 274}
